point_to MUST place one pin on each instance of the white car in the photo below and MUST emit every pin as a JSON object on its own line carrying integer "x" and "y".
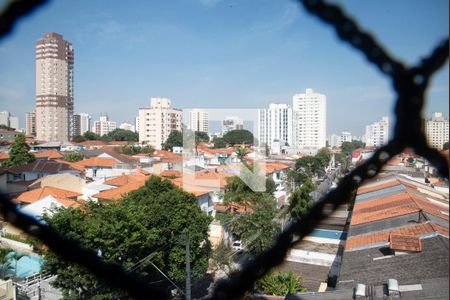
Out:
{"x": 237, "y": 246}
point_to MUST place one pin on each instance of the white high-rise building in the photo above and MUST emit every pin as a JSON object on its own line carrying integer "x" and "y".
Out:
{"x": 157, "y": 122}
{"x": 436, "y": 130}
{"x": 136, "y": 123}
{"x": 337, "y": 140}
{"x": 198, "y": 120}
{"x": 30, "y": 123}
{"x": 14, "y": 122}
{"x": 232, "y": 123}
{"x": 54, "y": 88}
{"x": 309, "y": 114}
{"x": 275, "y": 125}
{"x": 9, "y": 120}
{"x": 85, "y": 122}
{"x": 103, "y": 126}
{"x": 4, "y": 118}
{"x": 127, "y": 126}
{"x": 377, "y": 134}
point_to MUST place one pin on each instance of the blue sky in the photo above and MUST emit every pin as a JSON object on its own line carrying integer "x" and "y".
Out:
{"x": 223, "y": 54}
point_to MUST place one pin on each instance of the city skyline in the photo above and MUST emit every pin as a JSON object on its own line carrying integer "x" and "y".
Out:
{"x": 250, "y": 56}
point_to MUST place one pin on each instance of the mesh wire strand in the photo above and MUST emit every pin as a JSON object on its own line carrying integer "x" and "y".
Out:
{"x": 409, "y": 84}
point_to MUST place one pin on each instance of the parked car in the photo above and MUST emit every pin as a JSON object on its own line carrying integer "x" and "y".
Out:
{"x": 237, "y": 246}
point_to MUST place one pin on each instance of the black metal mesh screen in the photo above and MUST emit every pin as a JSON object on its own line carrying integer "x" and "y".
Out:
{"x": 409, "y": 83}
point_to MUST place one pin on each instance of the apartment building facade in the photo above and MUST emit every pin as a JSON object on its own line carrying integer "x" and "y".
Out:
{"x": 275, "y": 125}
{"x": 198, "y": 120}
{"x": 309, "y": 114}
{"x": 436, "y": 130}
{"x": 157, "y": 122}
{"x": 54, "y": 88}
{"x": 377, "y": 133}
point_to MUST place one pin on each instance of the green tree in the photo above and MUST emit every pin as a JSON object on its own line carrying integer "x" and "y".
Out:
{"x": 19, "y": 153}
{"x": 91, "y": 136}
{"x": 201, "y": 136}
{"x": 309, "y": 165}
{"x": 324, "y": 156}
{"x": 148, "y": 221}
{"x": 123, "y": 135}
{"x": 221, "y": 256}
{"x": 73, "y": 157}
{"x": 78, "y": 139}
{"x": 256, "y": 229}
{"x": 4, "y": 127}
{"x": 133, "y": 150}
{"x": 5, "y": 262}
{"x": 280, "y": 284}
{"x": 241, "y": 152}
{"x": 175, "y": 139}
{"x": 219, "y": 143}
{"x": 239, "y": 136}
{"x": 300, "y": 200}
{"x": 445, "y": 146}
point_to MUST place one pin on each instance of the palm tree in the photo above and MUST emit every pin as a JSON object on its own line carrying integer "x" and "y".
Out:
{"x": 5, "y": 262}
{"x": 240, "y": 152}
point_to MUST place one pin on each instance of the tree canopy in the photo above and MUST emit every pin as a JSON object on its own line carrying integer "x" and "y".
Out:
{"x": 445, "y": 146}
{"x": 280, "y": 284}
{"x": 122, "y": 135}
{"x": 91, "y": 136}
{"x": 73, "y": 157}
{"x": 219, "y": 143}
{"x": 348, "y": 147}
{"x": 19, "y": 153}
{"x": 148, "y": 221}
{"x": 300, "y": 200}
{"x": 239, "y": 136}
{"x": 133, "y": 150}
{"x": 175, "y": 139}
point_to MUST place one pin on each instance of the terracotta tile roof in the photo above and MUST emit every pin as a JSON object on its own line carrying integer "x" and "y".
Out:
{"x": 212, "y": 175}
{"x": 383, "y": 236}
{"x": 43, "y": 166}
{"x": 71, "y": 203}
{"x": 90, "y": 143}
{"x": 233, "y": 207}
{"x": 37, "y": 194}
{"x": 126, "y": 179}
{"x": 171, "y": 173}
{"x": 4, "y": 156}
{"x": 405, "y": 242}
{"x": 72, "y": 165}
{"x": 196, "y": 190}
{"x": 50, "y": 154}
{"x": 388, "y": 207}
{"x": 120, "y": 192}
{"x": 276, "y": 166}
{"x": 97, "y": 162}
{"x": 383, "y": 185}
{"x": 167, "y": 156}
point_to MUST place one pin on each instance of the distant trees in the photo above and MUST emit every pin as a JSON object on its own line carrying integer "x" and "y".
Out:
{"x": 133, "y": 150}
{"x": 78, "y": 139}
{"x": 4, "y": 127}
{"x": 19, "y": 153}
{"x": 73, "y": 157}
{"x": 148, "y": 221}
{"x": 445, "y": 146}
{"x": 121, "y": 135}
{"x": 175, "y": 139}
{"x": 219, "y": 143}
{"x": 348, "y": 147}
{"x": 239, "y": 136}
{"x": 91, "y": 136}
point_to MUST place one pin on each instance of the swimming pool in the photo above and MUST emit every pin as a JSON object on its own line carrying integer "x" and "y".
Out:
{"x": 26, "y": 266}
{"x": 329, "y": 234}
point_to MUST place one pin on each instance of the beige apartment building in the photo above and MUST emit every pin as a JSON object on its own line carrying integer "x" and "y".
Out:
{"x": 30, "y": 123}
{"x": 436, "y": 130}
{"x": 158, "y": 121}
{"x": 54, "y": 88}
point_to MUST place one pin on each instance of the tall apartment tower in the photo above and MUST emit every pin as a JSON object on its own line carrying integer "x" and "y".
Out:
{"x": 275, "y": 125}
{"x": 377, "y": 133}
{"x": 436, "y": 130}
{"x": 81, "y": 123}
{"x": 158, "y": 121}
{"x": 309, "y": 114}
{"x": 30, "y": 123}
{"x": 198, "y": 120}
{"x": 54, "y": 88}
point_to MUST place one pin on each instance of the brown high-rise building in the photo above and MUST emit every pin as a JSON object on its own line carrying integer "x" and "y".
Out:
{"x": 54, "y": 88}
